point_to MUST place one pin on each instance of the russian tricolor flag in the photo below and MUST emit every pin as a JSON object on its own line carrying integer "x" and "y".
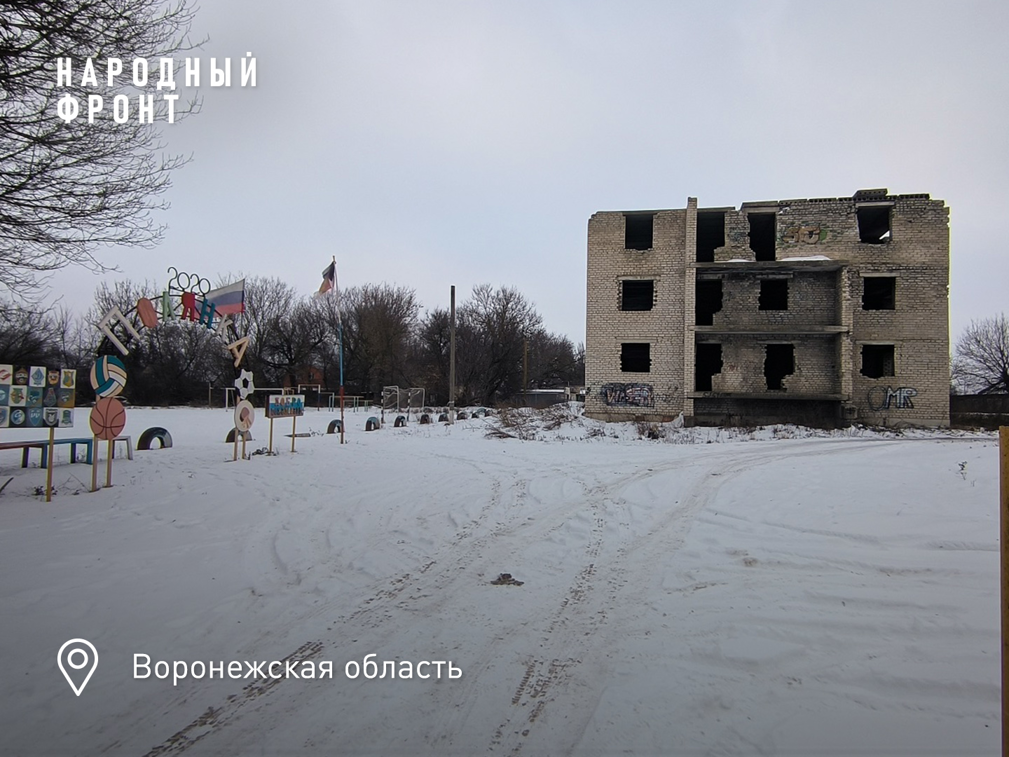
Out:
{"x": 230, "y": 299}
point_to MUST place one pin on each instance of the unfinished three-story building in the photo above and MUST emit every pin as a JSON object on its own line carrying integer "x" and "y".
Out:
{"x": 821, "y": 312}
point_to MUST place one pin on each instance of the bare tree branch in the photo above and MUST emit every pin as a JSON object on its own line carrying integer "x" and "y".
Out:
{"x": 67, "y": 189}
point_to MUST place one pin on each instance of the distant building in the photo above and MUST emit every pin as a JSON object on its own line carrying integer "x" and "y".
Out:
{"x": 820, "y": 311}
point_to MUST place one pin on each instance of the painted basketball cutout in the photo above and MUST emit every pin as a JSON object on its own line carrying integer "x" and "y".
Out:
{"x": 108, "y": 418}
{"x": 245, "y": 415}
{"x": 108, "y": 376}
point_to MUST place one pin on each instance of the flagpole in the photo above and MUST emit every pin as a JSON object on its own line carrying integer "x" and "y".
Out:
{"x": 339, "y": 330}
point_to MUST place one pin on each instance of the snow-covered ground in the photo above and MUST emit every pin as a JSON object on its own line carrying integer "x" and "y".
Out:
{"x": 709, "y": 592}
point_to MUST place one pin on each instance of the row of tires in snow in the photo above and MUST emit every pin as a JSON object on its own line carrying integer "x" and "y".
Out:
{"x": 426, "y": 418}
{"x": 372, "y": 424}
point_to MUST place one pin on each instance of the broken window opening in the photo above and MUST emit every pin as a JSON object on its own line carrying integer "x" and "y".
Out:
{"x": 635, "y": 357}
{"x": 710, "y": 234}
{"x": 779, "y": 361}
{"x": 879, "y": 293}
{"x": 763, "y": 231}
{"x": 707, "y": 301}
{"x": 637, "y": 294}
{"x": 707, "y": 362}
{"x": 773, "y": 294}
{"x": 638, "y": 231}
{"x": 873, "y": 224}
{"x": 877, "y": 360}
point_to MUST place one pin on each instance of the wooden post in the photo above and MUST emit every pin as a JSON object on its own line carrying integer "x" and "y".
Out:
{"x": 243, "y": 446}
{"x": 1003, "y": 444}
{"x": 108, "y": 464}
{"x": 271, "y": 436}
{"x": 237, "y": 432}
{"x": 94, "y": 465}
{"x": 49, "y": 468}
{"x": 294, "y": 424}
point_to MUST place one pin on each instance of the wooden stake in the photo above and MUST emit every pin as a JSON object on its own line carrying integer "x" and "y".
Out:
{"x": 294, "y": 424}
{"x": 237, "y": 432}
{"x": 243, "y": 446}
{"x": 94, "y": 464}
{"x": 1003, "y": 443}
{"x": 49, "y": 468}
{"x": 108, "y": 464}
{"x": 271, "y": 436}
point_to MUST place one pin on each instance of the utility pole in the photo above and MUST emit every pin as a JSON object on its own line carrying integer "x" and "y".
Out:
{"x": 1003, "y": 440}
{"x": 451, "y": 361}
{"x": 525, "y": 370}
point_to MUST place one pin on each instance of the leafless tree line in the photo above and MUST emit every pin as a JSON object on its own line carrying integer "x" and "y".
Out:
{"x": 501, "y": 343}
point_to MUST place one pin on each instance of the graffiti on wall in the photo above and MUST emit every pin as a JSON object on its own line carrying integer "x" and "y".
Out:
{"x": 628, "y": 395}
{"x": 888, "y": 398}
{"x": 807, "y": 234}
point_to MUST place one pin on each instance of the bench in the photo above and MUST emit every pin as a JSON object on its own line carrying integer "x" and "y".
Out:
{"x": 43, "y": 447}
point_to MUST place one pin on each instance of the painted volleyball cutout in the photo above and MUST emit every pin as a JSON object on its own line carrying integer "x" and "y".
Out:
{"x": 108, "y": 376}
{"x": 108, "y": 418}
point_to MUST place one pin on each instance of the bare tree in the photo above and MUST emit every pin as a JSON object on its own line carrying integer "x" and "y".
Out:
{"x": 67, "y": 188}
{"x": 554, "y": 362}
{"x": 379, "y": 322}
{"x": 981, "y": 362}
{"x": 28, "y": 336}
{"x": 430, "y": 354}
{"x": 495, "y": 326}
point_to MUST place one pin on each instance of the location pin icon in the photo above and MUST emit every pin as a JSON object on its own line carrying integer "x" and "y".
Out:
{"x": 77, "y": 658}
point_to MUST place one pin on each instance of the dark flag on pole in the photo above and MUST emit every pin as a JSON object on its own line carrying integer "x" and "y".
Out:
{"x": 329, "y": 286}
{"x": 328, "y": 280}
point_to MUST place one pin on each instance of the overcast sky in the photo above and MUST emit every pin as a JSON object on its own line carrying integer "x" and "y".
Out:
{"x": 433, "y": 143}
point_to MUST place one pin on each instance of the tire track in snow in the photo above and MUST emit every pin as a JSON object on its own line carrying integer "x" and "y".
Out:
{"x": 214, "y": 718}
{"x": 573, "y": 631}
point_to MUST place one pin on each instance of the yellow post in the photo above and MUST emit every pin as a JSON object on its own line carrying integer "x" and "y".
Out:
{"x": 49, "y": 468}
{"x": 94, "y": 465}
{"x": 1003, "y": 444}
{"x": 108, "y": 464}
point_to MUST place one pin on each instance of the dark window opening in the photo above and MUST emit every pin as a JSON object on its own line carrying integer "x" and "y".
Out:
{"x": 879, "y": 293}
{"x": 773, "y": 294}
{"x": 708, "y": 301}
{"x": 779, "y": 361}
{"x": 707, "y": 363}
{"x": 763, "y": 230}
{"x": 710, "y": 234}
{"x": 635, "y": 357}
{"x": 637, "y": 295}
{"x": 877, "y": 360}
{"x": 638, "y": 231}
{"x": 874, "y": 224}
